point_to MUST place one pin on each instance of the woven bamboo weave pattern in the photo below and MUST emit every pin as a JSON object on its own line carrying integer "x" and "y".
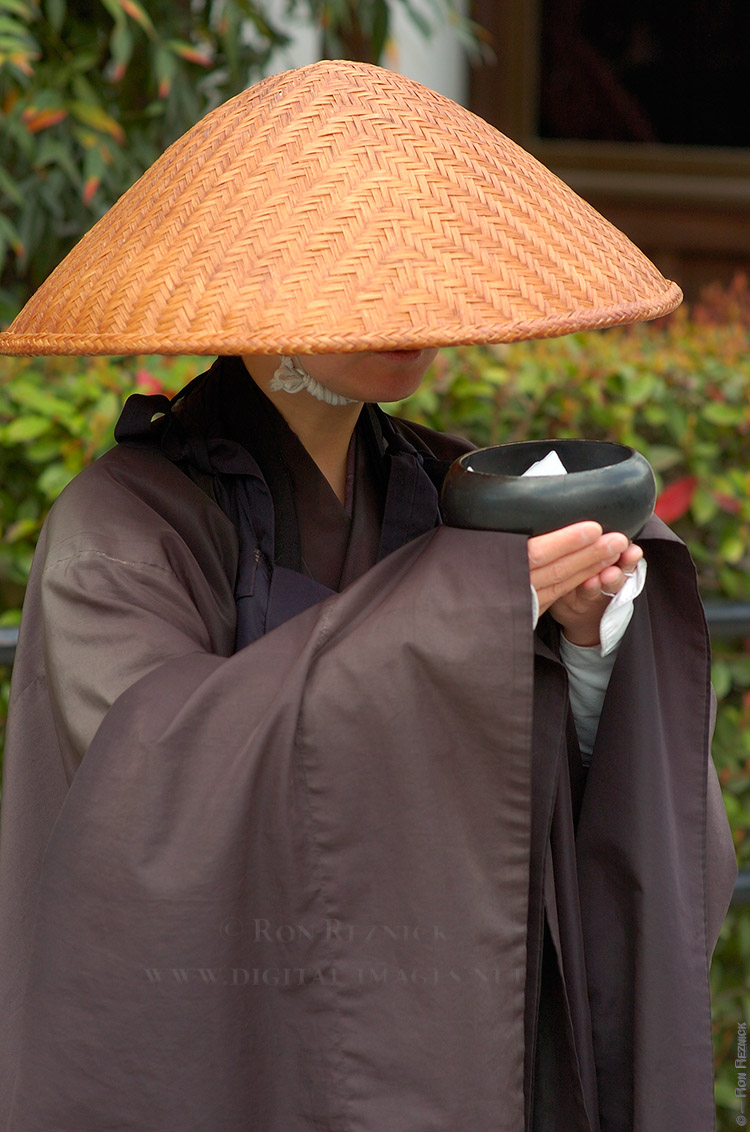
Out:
{"x": 333, "y": 208}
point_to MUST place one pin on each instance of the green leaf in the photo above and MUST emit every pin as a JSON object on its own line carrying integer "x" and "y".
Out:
{"x": 732, "y": 585}
{"x": 190, "y": 52}
{"x": 654, "y": 414}
{"x": 25, "y": 428}
{"x": 138, "y": 13}
{"x": 80, "y": 64}
{"x": 20, "y": 7}
{"x": 380, "y": 26}
{"x": 53, "y": 479}
{"x": 721, "y": 678}
{"x": 42, "y": 451}
{"x": 11, "y": 27}
{"x": 662, "y": 457}
{"x": 53, "y": 152}
{"x": 165, "y": 69}
{"x": 638, "y": 389}
{"x": 114, "y": 10}
{"x": 97, "y": 118}
{"x": 741, "y": 674}
{"x": 21, "y": 530}
{"x": 733, "y": 548}
{"x": 9, "y": 235}
{"x": 10, "y": 188}
{"x": 56, "y": 12}
{"x": 31, "y": 396}
{"x": 703, "y": 506}
{"x": 722, "y": 414}
{"x": 121, "y": 43}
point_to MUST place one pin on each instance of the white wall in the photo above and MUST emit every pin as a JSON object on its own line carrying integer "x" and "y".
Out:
{"x": 438, "y": 62}
{"x": 305, "y": 40}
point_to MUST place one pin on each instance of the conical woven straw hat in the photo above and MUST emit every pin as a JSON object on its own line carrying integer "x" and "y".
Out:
{"x": 339, "y": 207}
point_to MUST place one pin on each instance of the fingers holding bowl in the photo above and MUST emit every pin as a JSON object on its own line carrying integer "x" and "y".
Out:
{"x": 562, "y": 561}
{"x": 613, "y": 578}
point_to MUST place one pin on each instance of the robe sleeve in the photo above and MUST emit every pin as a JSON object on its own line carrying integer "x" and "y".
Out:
{"x": 111, "y": 615}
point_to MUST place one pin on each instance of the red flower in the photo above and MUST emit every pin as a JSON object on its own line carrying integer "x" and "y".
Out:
{"x": 147, "y": 383}
{"x": 675, "y": 499}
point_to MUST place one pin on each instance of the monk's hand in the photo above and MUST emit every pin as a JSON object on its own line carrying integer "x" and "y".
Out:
{"x": 576, "y": 571}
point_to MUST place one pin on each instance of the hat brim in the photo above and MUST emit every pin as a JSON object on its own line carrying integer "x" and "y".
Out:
{"x": 335, "y": 208}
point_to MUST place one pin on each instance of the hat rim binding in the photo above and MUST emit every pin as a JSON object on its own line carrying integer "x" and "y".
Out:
{"x": 30, "y": 345}
{"x": 646, "y": 294}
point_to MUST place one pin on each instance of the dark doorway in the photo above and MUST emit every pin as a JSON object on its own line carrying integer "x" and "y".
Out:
{"x": 669, "y": 71}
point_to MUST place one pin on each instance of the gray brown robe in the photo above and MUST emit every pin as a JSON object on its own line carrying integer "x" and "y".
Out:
{"x": 306, "y": 885}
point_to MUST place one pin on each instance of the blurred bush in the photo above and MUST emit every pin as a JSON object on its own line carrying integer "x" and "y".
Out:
{"x": 678, "y": 390}
{"x": 91, "y": 93}
{"x": 56, "y": 416}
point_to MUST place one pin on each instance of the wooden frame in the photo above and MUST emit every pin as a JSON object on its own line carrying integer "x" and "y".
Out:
{"x": 688, "y": 207}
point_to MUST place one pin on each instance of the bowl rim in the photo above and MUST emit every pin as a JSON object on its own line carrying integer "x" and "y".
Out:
{"x": 625, "y": 448}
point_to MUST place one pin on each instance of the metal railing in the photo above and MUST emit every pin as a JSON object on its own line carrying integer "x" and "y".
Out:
{"x": 725, "y": 620}
{"x": 728, "y": 619}
{"x": 8, "y": 642}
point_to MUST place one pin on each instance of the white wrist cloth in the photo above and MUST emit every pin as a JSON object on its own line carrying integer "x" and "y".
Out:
{"x": 589, "y": 668}
{"x": 616, "y": 616}
{"x": 291, "y": 377}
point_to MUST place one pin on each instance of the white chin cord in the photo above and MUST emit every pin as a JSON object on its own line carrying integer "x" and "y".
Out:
{"x": 291, "y": 377}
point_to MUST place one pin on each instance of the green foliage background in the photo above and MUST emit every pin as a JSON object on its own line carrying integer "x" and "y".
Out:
{"x": 679, "y": 391}
{"x": 93, "y": 91}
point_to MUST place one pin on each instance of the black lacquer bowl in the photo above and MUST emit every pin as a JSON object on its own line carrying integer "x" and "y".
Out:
{"x": 609, "y": 483}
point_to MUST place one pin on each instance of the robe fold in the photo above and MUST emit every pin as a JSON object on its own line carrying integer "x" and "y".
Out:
{"x": 353, "y": 876}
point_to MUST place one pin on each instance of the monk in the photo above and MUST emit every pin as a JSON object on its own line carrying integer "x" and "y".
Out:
{"x": 320, "y": 813}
